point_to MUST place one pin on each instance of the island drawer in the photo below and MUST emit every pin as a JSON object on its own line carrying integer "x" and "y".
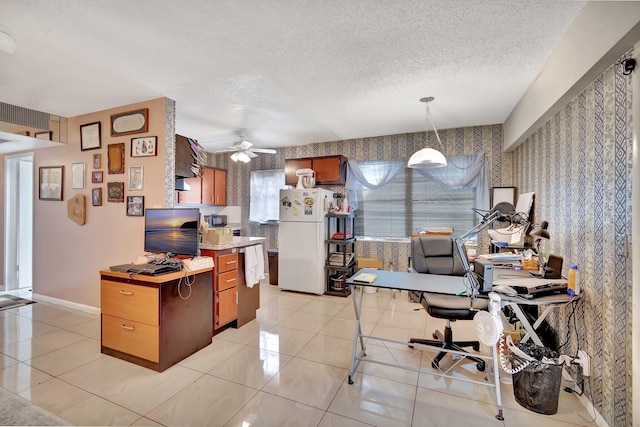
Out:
{"x": 227, "y": 262}
{"x": 135, "y": 338}
{"x": 132, "y": 302}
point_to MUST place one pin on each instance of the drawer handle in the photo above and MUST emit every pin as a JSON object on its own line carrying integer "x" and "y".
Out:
{"x": 230, "y": 262}
{"x": 231, "y": 280}
{"x": 128, "y": 293}
{"x": 128, "y": 328}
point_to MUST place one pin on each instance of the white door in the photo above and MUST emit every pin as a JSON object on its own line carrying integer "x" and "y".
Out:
{"x": 18, "y": 221}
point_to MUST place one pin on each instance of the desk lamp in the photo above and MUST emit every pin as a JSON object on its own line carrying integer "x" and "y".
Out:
{"x": 486, "y": 221}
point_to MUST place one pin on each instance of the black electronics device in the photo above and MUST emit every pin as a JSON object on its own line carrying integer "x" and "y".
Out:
{"x": 552, "y": 270}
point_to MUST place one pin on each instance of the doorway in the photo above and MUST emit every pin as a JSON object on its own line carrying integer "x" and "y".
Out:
{"x": 18, "y": 222}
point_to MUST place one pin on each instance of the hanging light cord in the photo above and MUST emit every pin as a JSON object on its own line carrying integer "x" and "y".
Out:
{"x": 430, "y": 122}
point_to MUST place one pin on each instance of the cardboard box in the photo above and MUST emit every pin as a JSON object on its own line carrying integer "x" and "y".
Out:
{"x": 217, "y": 236}
{"x": 369, "y": 263}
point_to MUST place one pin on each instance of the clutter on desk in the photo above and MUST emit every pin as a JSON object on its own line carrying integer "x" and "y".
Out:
{"x": 501, "y": 257}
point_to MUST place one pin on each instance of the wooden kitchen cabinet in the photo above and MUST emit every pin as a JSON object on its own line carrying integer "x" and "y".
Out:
{"x": 225, "y": 286}
{"x": 210, "y": 189}
{"x": 220, "y": 187}
{"x": 328, "y": 169}
{"x": 144, "y": 320}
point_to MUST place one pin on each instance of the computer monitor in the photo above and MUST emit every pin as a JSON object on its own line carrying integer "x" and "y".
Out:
{"x": 174, "y": 231}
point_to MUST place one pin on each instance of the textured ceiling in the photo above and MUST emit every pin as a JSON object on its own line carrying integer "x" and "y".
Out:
{"x": 282, "y": 72}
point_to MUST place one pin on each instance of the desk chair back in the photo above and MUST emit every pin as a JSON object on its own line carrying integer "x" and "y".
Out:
{"x": 436, "y": 254}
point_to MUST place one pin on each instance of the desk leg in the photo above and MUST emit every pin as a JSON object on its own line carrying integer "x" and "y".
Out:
{"x": 531, "y": 331}
{"x": 496, "y": 382}
{"x": 355, "y": 357}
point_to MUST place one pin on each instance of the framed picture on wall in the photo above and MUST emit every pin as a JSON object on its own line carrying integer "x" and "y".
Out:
{"x": 130, "y": 122}
{"x": 96, "y": 196}
{"x": 135, "y": 205}
{"x": 115, "y": 155}
{"x": 115, "y": 192}
{"x": 143, "y": 147}
{"x": 90, "y": 136}
{"x": 503, "y": 194}
{"x": 77, "y": 175}
{"x": 97, "y": 161}
{"x": 50, "y": 183}
{"x": 135, "y": 178}
{"x": 96, "y": 177}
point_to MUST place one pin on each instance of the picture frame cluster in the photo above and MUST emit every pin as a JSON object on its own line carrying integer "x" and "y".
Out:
{"x": 51, "y": 178}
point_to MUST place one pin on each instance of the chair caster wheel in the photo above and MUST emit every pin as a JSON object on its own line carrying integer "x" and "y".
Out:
{"x": 410, "y": 345}
{"x": 435, "y": 336}
{"x": 481, "y": 366}
{"x": 476, "y": 347}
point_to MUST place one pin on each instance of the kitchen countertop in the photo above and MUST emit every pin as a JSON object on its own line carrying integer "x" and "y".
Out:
{"x": 238, "y": 242}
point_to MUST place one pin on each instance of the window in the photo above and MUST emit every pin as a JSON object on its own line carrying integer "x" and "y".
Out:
{"x": 265, "y": 188}
{"x": 409, "y": 202}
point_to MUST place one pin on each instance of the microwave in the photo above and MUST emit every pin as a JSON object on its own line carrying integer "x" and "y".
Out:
{"x": 216, "y": 220}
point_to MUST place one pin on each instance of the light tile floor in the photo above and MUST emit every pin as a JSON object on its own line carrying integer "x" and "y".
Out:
{"x": 286, "y": 368}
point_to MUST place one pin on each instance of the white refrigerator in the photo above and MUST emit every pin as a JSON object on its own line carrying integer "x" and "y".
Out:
{"x": 302, "y": 235}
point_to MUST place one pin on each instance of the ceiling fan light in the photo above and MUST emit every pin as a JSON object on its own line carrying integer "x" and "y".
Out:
{"x": 235, "y": 156}
{"x": 243, "y": 157}
{"x": 427, "y": 158}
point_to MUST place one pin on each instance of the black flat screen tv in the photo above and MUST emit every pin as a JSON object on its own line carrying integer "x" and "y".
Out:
{"x": 173, "y": 231}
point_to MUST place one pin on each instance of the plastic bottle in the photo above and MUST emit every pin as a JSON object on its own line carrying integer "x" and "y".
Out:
{"x": 573, "y": 281}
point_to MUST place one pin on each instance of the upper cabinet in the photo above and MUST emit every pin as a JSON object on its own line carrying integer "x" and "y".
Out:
{"x": 328, "y": 169}
{"x": 210, "y": 189}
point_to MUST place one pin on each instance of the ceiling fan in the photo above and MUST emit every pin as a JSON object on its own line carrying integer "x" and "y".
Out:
{"x": 244, "y": 151}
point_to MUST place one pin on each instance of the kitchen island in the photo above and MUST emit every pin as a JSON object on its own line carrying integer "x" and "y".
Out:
{"x": 155, "y": 321}
{"x": 234, "y": 300}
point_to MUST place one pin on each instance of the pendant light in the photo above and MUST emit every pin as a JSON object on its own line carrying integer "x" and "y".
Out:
{"x": 427, "y": 158}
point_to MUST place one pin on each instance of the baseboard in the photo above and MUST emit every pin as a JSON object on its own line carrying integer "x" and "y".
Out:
{"x": 586, "y": 402}
{"x": 69, "y": 304}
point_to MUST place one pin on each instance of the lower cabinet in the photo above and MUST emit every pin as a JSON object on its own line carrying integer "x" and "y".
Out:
{"x": 227, "y": 306}
{"x": 225, "y": 285}
{"x": 146, "y": 321}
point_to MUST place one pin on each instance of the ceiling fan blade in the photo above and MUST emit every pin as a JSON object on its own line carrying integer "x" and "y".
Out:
{"x": 251, "y": 154}
{"x": 264, "y": 150}
{"x": 227, "y": 150}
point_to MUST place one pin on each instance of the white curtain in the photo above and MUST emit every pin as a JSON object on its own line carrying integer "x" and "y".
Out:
{"x": 466, "y": 171}
{"x": 371, "y": 176}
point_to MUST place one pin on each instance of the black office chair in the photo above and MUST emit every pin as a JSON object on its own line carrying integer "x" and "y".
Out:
{"x": 437, "y": 254}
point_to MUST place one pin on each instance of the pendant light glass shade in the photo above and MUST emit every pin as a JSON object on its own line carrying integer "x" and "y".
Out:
{"x": 428, "y": 158}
